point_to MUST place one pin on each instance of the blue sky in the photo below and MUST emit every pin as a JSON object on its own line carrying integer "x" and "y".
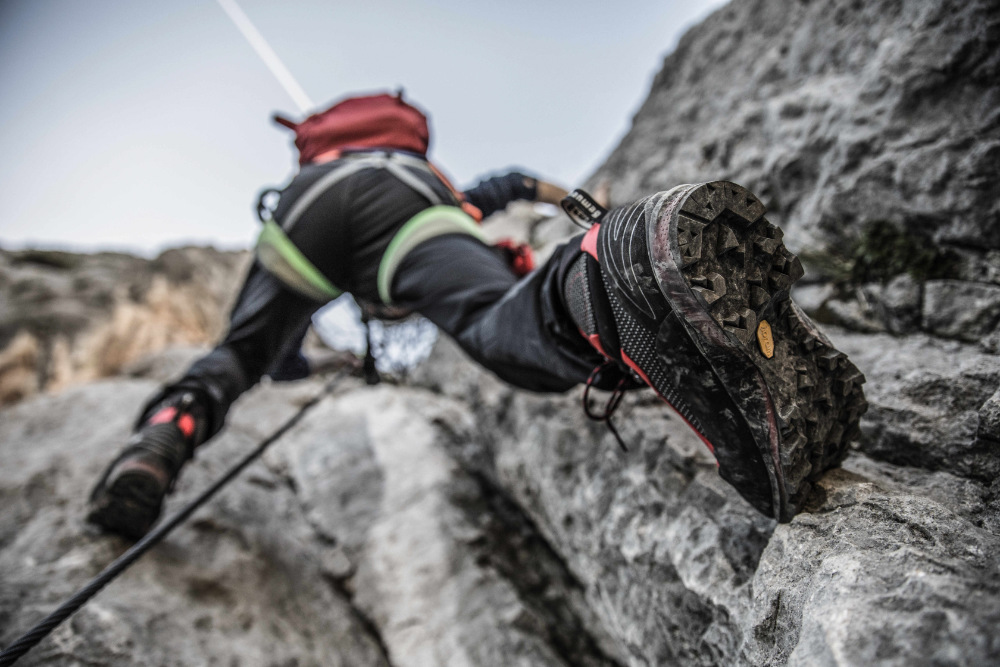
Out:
{"x": 142, "y": 125}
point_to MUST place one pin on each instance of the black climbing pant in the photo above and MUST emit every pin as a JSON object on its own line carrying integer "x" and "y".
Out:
{"x": 519, "y": 329}
{"x": 516, "y": 328}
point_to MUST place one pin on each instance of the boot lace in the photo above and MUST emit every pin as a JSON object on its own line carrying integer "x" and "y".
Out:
{"x": 610, "y": 407}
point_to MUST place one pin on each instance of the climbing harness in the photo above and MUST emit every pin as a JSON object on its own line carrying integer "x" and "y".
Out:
{"x": 26, "y": 642}
{"x": 279, "y": 255}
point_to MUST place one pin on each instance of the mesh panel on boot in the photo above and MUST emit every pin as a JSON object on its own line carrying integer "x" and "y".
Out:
{"x": 576, "y": 291}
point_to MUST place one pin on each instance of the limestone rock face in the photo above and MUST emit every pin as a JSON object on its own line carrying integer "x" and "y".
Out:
{"x": 894, "y": 561}
{"x": 458, "y": 521}
{"x": 869, "y": 130}
{"x": 837, "y": 113}
{"x": 67, "y": 318}
{"x": 356, "y": 541}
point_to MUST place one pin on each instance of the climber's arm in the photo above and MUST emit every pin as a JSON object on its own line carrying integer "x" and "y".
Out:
{"x": 493, "y": 194}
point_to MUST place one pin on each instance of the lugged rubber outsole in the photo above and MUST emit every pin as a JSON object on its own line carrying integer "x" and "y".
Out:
{"x": 725, "y": 271}
{"x": 129, "y": 504}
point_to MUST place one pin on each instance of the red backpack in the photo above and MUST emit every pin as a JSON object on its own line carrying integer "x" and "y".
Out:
{"x": 374, "y": 121}
{"x": 381, "y": 121}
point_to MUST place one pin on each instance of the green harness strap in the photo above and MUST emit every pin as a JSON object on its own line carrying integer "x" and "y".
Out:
{"x": 276, "y": 252}
{"x": 429, "y": 223}
{"x": 281, "y": 257}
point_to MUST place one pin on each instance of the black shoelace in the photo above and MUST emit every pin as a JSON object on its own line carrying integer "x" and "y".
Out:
{"x": 610, "y": 406}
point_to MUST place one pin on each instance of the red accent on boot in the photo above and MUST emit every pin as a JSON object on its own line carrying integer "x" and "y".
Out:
{"x": 595, "y": 341}
{"x": 185, "y": 422}
{"x": 634, "y": 366}
{"x": 589, "y": 242}
{"x": 164, "y": 416}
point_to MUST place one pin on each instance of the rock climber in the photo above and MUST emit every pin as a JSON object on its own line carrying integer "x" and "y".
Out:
{"x": 685, "y": 291}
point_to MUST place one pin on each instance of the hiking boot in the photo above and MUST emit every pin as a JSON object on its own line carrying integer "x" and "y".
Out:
{"x": 129, "y": 496}
{"x": 690, "y": 291}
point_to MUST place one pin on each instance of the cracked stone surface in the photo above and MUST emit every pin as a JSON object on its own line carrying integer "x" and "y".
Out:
{"x": 356, "y": 541}
{"x": 67, "y": 318}
{"x": 895, "y": 561}
{"x": 241, "y": 583}
{"x": 457, "y": 521}
{"x": 842, "y": 116}
{"x": 845, "y": 113}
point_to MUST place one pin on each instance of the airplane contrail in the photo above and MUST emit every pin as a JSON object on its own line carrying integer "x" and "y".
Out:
{"x": 267, "y": 54}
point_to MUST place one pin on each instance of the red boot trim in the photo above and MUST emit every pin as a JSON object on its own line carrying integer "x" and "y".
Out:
{"x": 164, "y": 416}
{"x": 186, "y": 425}
{"x": 634, "y": 366}
{"x": 185, "y": 422}
{"x": 589, "y": 242}
{"x": 595, "y": 341}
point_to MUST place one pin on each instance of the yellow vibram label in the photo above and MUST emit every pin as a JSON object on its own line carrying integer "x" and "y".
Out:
{"x": 765, "y": 339}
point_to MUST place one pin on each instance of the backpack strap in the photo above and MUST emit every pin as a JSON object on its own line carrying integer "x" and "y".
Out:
{"x": 316, "y": 190}
{"x": 408, "y": 177}
{"x": 466, "y": 206}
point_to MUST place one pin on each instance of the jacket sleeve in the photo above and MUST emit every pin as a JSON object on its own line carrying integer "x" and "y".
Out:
{"x": 493, "y": 194}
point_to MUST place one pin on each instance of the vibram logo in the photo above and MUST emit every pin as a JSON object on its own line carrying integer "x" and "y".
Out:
{"x": 765, "y": 339}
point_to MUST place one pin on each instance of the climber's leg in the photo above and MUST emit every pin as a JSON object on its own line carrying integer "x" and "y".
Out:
{"x": 266, "y": 326}
{"x": 517, "y": 328}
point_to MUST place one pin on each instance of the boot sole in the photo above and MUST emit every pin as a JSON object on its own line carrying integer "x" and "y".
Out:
{"x": 726, "y": 275}
{"x": 129, "y": 504}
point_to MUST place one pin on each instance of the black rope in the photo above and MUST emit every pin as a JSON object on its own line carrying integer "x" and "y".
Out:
{"x": 26, "y": 642}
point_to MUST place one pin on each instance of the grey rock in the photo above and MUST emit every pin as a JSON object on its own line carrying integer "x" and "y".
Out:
{"x": 165, "y": 366}
{"x": 989, "y": 417}
{"x": 959, "y": 309}
{"x": 925, "y": 397}
{"x": 872, "y": 574}
{"x": 898, "y": 303}
{"x": 240, "y": 583}
{"x": 893, "y": 563}
{"x": 990, "y": 344}
{"x": 357, "y": 541}
{"x": 67, "y": 317}
{"x": 967, "y": 498}
{"x": 813, "y": 298}
{"x": 856, "y": 311}
{"x": 977, "y": 267}
{"x": 459, "y": 521}
{"x": 988, "y": 430}
{"x": 893, "y": 307}
{"x": 836, "y": 113}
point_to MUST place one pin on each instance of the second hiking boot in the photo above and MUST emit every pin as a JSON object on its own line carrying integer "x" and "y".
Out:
{"x": 690, "y": 289}
{"x": 129, "y": 496}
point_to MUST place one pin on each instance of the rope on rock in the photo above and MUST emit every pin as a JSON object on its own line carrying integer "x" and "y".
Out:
{"x": 26, "y": 642}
